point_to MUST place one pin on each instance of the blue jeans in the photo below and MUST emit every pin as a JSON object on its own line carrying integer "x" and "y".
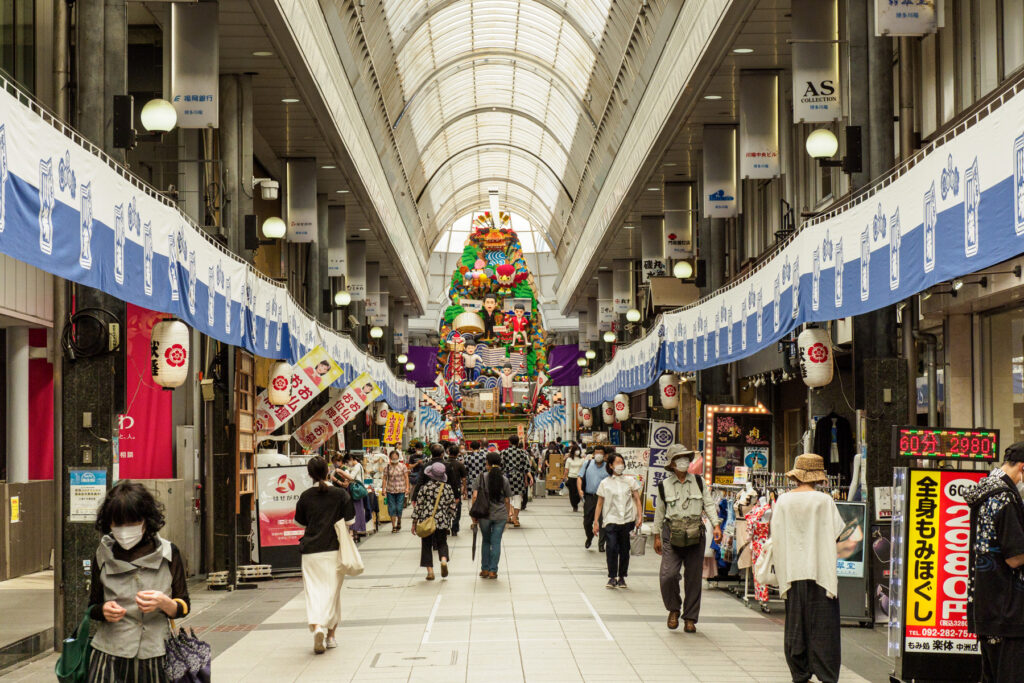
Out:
{"x": 396, "y": 502}
{"x": 490, "y": 550}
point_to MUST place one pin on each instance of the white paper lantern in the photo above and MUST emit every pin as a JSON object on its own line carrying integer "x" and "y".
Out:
{"x": 382, "y": 412}
{"x": 588, "y": 418}
{"x": 668, "y": 389}
{"x": 621, "y": 407}
{"x": 815, "y": 356}
{"x": 579, "y": 413}
{"x": 169, "y": 353}
{"x": 279, "y": 386}
{"x": 608, "y": 412}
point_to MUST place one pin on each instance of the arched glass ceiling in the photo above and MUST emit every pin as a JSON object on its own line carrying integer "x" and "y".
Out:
{"x": 514, "y": 197}
{"x": 454, "y": 238}
{"x": 461, "y": 76}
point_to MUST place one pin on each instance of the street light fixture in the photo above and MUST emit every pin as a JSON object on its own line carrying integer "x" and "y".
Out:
{"x": 342, "y": 298}
{"x": 633, "y": 315}
{"x": 410, "y": 366}
{"x": 376, "y": 332}
{"x": 582, "y": 362}
{"x": 402, "y": 359}
{"x": 822, "y": 145}
{"x": 274, "y": 228}
{"x": 159, "y": 116}
{"x": 591, "y": 354}
{"x": 609, "y": 336}
{"x": 683, "y": 270}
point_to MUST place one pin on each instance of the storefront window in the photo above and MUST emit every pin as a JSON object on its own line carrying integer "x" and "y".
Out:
{"x": 1003, "y": 373}
{"x": 17, "y": 41}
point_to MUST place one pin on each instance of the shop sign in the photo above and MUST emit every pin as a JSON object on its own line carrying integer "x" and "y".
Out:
{"x": 87, "y": 489}
{"x": 336, "y": 242}
{"x": 936, "y": 558}
{"x": 15, "y": 509}
{"x": 195, "y": 67}
{"x": 759, "y": 124}
{"x": 311, "y": 375}
{"x": 394, "y": 427}
{"x": 279, "y": 489}
{"x": 371, "y": 443}
{"x": 816, "y": 85}
{"x": 852, "y": 540}
{"x": 356, "y": 279}
{"x": 336, "y": 414}
{"x": 905, "y": 17}
{"x": 720, "y": 172}
{"x": 622, "y": 285}
{"x": 301, "y": 200}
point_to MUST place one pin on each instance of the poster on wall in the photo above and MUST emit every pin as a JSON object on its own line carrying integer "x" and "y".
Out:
{"x": 852, "y": 540}
{"x": 735, "y": 436}
{"x": 935, "y": 563}
{"x": 145, "y": 431}
{"x": 278, "y": 491}
{"x": 87, "y": 488}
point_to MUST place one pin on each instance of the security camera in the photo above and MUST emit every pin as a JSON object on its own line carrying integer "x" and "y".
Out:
{"x": 268, "y": 187}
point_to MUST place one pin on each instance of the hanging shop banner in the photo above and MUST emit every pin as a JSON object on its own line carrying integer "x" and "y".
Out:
{"x": 356, "y": 278}
{"x": 622, "y": 286}
{"x": 605, "y": 302}
{"x": 195, "y": 64}
{"x": 87, "y": 490}
{"x": 720, "y": 172}
{"x": 678, "y": 220}
{"x": 336, "y": 241}
{"x": 759, "y": 124}
{"x": 652, "y": 247}
{"x": 662, "y": 435}
{"x": 852, "y": 542}
{"x": 394, "y": 427}
{"x": 380, "y": 316}
{"x": 145, "y": 437}
{"x": 816, "y": 85}
{"x": 279, "y": 489}
{"x": 333, "y": 416}
{"x": 592, "y": 332}
{"x": 902, "y": 18}
{"x": 401, "y": 327}
{"x": 311, "y": 375}
{"x": 937, "y": 543}
{"x": 68, "y": 212}
{"x": 300, "y": 196}
{"x": 956, "y": 211}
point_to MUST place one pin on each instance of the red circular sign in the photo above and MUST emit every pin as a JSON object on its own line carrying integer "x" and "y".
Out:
{"x": 817, "y": 353}
{"x": 670, "y": 390}
{"x": 176, "y": 355}
{"x": 280, "y": 382}
{"x": 619, "y": 405}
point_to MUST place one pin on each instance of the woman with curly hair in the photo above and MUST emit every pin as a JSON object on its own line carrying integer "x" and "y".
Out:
{"x": 138, "y": 584}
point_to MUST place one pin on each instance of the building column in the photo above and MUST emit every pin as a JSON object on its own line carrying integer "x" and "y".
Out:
{"x": 236, "y": 155}
{"x": 17, "y": 404}
{"x": 715, "y": 386}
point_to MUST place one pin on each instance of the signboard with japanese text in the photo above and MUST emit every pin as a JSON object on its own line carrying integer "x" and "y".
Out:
{"x": 394, "y": 427}
{"x": 87, "y": 489}
{"x": 311, "y": 375}
{"x": 935, "y": 561}
{"x": 905, "y": 17}
{"x": 279, "y": 489}
{"x": 816, "y": 85}
{"x": 759, "y": 124}
{"x": 336, "y": 414}
{"x": 195, "y": 65}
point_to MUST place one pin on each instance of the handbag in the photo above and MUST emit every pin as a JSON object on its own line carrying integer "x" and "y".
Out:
{"x": 357, "y": 490}
{"x": 426, "y": 527}
{"x": 482, "y": 505}
{"x": 637, "y": 543}
{"x": 350, "y": 562}
{"x": 187, "y": 659}
{"x": 764, "y": 568}
{"x": 73, "y": 665}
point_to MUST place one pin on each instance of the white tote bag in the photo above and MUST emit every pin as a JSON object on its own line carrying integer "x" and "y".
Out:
{"x": 350, "y": 562}
{"x": 764, "y": 568}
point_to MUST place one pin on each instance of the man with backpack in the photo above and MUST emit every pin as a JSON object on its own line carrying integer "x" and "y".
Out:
{"x": 679, "y": 535}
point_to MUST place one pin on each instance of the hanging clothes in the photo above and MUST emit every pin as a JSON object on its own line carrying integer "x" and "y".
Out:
{"x": 758, "y": 526}
{"x": 833, "y": 441}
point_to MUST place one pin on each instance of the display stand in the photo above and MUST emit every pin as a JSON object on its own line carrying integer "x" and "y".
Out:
{"x": 279, "y": 489}
{"x": 854, "y": 602}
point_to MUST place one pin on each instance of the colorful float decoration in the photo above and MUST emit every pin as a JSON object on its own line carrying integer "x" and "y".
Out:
{"x": 492, "y": 336}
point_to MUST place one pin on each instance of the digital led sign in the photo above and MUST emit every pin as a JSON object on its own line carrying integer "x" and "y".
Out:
{"x": 946, "y": 444}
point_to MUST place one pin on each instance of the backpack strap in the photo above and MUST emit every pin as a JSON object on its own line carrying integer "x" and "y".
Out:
{"x": 661, "y": 490}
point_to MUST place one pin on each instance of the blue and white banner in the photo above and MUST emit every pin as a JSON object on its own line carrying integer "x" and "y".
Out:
{"x": 67, "y": 211}
{"x": 959, "y": 209}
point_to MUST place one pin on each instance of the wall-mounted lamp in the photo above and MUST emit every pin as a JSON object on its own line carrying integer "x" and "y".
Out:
{"x": 582, "y": 362}
{"x": 591, "y": 354}
{"x": 609, "y": 336}
{"x": 633, "y": 315}
{"x": 376, "y": 332}
{"x": 158, "y": 116}
{"x": 822, "y": 145}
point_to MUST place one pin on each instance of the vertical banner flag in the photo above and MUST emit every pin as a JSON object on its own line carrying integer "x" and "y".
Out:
{"x": 678, "y": 220}
{"x": 311, "y": 375}
{"x": 336, "y": 241}
{"x": 400, "y": 326}
{"x": 592, "y": 333}
{"x": 935, "y": 562}
{"x": 195, "y": 64}
{"x": 652, "y": 247}
{"x": 394, "y": 427}
{"x": 372, "y": 308}
{"x": 816, "y": 85}
{"x": 584, "y": 323}
{"x": 381, "y": 314}
{"x": 903, "y": 18}
{"x": 279, "y": 489}
{"x": 662, "y": 435}
{"x": 300, "y": 196}
{"x": 720, "y": 172}
{"x": 622, "y": 285}
{"x": 336, "y": 414}
{"x": 356, "y": 277}
{"x": 605, "y": 302}
{"x": 145, "y": 435}
{"x": 759, "y": 124}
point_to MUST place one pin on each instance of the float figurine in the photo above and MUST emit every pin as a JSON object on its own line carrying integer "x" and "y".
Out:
{"x": 469, "y": 359}
{"x": 490, "y": 315}
{"x": 519, "y": 325}
{"x": 506, "y": 384}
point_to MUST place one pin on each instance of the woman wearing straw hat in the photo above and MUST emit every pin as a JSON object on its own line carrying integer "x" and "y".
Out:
{"x": 805, "y": 527}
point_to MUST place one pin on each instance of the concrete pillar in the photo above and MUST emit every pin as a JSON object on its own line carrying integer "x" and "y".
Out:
{"x": 17, "y": 404}
{"x": 715, "y": 386}
{"x": 236, "y": 157}
{"x": 115, "y": 76}
{"x": 91, "y": 102}
{"x": 316, "y": 273}
{"x": 959, "y": 373}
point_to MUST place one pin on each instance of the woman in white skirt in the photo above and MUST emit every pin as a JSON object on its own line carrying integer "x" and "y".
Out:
{"x": 318, "y": 509}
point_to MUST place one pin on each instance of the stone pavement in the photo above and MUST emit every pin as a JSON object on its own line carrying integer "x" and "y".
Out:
{"x": 548, "y": 617}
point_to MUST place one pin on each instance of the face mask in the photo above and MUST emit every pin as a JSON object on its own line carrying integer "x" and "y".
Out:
{"x": 394, "y": 460}
{"x": 128, "y": 536}
{"x": 681, "y": 464}
{"x": 599, "y": 457}
{"x": 619, "y": 469}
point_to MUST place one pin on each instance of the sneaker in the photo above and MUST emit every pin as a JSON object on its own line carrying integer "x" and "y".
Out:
{"x": 332, "y": 643}
{"x": 319, "y": 636}
{"x": 622, "y": 583}
{"x": 612, "y": 583}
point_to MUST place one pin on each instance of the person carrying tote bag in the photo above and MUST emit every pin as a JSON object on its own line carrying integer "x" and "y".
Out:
{"x": 492, "y": 505}
{"x": 350, "y": 562}
{"x": 432, "y": 518}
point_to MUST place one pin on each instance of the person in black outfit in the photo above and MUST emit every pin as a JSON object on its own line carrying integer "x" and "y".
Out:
{"x": 318, "y": 509}
{"x": 437, "y": 453}
{"x": 457, "y": 473}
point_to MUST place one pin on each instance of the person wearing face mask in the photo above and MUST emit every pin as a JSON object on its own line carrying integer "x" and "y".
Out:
{"x": 679, "y": 536}
{"x": 591, "y": 475}
{"x": 618, "y": 505}
{"x": 396, "y": 484}
{"x": 995, "y": 597}
{"x": 138, "y": 584}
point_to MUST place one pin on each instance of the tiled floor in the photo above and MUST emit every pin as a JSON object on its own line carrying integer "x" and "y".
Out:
{"x": 548, "y": 617}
